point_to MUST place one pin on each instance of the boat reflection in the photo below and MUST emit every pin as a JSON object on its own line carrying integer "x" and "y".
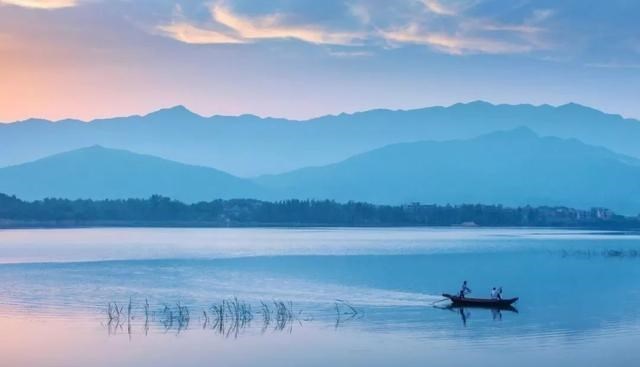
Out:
{"x": 465, "y": 312}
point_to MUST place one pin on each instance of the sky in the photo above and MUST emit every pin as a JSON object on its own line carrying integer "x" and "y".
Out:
{"x": 304, "y": 58}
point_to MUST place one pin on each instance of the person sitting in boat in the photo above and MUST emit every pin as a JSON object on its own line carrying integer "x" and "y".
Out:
{"x": 494, "y": 293}
{"x": 464, "y": 290}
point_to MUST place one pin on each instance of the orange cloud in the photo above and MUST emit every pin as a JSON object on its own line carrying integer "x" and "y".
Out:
{"x": 435, "y": 6}
{"x": 41, "y": 4}
{"x": 188, "y": 33}
{"x": 454, "y": 44}
{"x": 241, "y": 29}
{"x": 271, "y": 26}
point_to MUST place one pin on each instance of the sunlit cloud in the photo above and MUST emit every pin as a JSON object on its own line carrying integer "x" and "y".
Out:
{"x": 449, "y": 7}
{"x": 41, "y": 4}
{"x": 454, "y": 44}
{"x": 517, "y": 28}
{"x": 273, "y": 27}
{"x": 437, "y": 7}
{"x": 188, "y": 33}
{"x": 447, "y": 27}
{"x": 245, "y": 29}
{"x": 530, "y": 25}
{"x": 453, "y": 30}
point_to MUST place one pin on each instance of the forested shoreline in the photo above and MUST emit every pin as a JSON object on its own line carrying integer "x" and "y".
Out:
{"x": 159, "y": 211}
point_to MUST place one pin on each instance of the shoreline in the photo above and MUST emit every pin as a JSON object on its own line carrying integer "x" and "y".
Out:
{"x": 16, "y": 225}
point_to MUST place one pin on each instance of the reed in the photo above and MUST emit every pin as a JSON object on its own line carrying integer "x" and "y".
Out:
{"x": 266, "y": 312}
{"x": 345, "y": 312}
{"x": 146, "y": 316}
{"x": 228, "y": 317}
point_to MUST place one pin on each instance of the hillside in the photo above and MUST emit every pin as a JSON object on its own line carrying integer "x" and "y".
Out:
{"x": 101, "y": 173}
{"x": 513, "y": 168}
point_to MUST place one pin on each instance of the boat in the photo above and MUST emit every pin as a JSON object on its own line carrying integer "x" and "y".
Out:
{"x": 457, "y": 301}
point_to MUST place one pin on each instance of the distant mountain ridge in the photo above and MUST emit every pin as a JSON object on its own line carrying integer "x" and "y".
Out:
{"x": 100, "y": 173}
{"x": 513, "y": 168}
{"x": 248, "y": 145}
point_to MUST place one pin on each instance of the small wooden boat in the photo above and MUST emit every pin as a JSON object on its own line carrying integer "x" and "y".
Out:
{"x": 480, "y": 302}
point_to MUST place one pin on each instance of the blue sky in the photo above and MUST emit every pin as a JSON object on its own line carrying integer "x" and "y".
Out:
{"x": 93, "y": 58}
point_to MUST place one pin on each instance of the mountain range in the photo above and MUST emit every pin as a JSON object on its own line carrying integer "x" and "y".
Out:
{"x": 249, "y": 146}
{"x": 513, "y": 167}
{"x": 100, "y": 173}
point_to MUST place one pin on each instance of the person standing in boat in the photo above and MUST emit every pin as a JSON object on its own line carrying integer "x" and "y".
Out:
{"x": 494, "y": 293}
{"x": 499, "y": 293}
{"x": 464, "y": 290}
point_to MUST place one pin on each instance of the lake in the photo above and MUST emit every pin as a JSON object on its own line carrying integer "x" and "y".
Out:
{"x": 316, "y": 297}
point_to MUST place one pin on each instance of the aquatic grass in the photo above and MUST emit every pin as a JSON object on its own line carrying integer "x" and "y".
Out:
{"x": 345, "y": 312}
{"x": 228, "y": 317}
{"x": 146, "y": 316}
{"x": 114, "y": 311}
{"x": 115, "y": 315}
{"x": 182, "y": 316}
{"x": 179, "y": 316}
{"x": 284, "y": 315}
{"x": 350, "y": 310}
{"x": 266, "y": 312}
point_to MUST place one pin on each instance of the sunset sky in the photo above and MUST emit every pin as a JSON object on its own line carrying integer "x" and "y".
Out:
{"x": 303, "y": 58}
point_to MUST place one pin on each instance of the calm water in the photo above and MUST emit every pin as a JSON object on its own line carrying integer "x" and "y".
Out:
{"x": 579, "y": 297}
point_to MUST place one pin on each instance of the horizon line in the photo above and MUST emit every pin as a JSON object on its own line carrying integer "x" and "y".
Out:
{"x": 348, "y": 113}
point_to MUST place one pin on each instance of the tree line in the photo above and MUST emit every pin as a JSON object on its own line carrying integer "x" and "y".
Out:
{"x": 162, "y": 211}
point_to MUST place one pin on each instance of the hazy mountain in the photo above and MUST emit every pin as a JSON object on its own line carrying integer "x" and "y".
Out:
{"x": 101, "y": 173}
{"x": 248, "y": 145}
{"x": 512, "y": 168}
{"x": 515, "y": 167}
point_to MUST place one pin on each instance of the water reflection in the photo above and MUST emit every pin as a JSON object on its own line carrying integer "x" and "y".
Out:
{"x": 465, "y": 311}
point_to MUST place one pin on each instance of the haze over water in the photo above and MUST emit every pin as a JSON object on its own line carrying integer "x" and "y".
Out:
{"x": 578, "y": 296}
